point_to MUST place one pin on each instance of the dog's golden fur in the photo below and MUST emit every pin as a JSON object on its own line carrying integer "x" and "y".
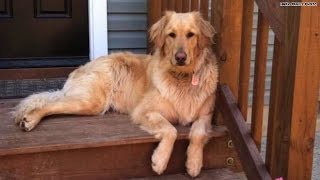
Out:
{"x": 153, "y": 89}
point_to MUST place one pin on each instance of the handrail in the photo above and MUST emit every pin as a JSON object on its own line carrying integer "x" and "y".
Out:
{"x": 273, "y": 13}
{"x": 251, "y": 160}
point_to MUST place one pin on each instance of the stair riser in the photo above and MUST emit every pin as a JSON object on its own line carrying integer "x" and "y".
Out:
{"x": 133, "y": 160}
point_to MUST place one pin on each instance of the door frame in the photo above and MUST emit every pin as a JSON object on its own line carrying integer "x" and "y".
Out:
{"x": 98, "y": 28}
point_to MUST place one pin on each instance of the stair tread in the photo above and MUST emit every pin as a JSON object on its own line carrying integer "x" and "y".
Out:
{"x": 73, "y": 132}
{"x": 221, "y": 174}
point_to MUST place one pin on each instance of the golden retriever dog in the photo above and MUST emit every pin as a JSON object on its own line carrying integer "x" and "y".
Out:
{"x": 176, "y": 84}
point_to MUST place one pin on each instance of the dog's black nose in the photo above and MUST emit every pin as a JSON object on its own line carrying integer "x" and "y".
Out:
{"x": 181, "y": 57}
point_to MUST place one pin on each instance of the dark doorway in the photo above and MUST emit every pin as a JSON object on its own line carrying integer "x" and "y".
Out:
{"x": 43, "y": 33}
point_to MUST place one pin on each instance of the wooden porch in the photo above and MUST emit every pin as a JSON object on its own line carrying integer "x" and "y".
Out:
{"x": 99, "y": 147}
{"x": 110, "y": 147}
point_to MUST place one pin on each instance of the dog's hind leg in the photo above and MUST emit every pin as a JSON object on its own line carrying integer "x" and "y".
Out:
{"x": 67, "y": 105}
{"x": 199, "y": 135}
{"x": 157, "y": 125}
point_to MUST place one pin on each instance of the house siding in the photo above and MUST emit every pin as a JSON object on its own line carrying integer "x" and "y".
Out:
{"x": 127, "y": 25}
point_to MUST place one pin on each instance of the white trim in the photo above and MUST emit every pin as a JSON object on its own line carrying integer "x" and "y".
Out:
{"x": 98, "y": 28}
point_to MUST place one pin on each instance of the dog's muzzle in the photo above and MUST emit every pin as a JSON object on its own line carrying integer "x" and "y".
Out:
{"x": 181, "y": 58}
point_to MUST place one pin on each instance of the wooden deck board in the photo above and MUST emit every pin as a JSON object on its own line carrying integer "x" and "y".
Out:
{"x": 94, "y": 147}
{"x": 221, "y": 174}
{"x": 71, "y": 132}
{"x": 65, "y": 132}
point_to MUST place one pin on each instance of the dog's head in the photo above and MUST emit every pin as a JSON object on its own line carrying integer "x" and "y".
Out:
{"x": 181, "y": 37}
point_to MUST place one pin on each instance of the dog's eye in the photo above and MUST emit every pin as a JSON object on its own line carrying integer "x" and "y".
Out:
{"x": 173, "y": 35}
{"x": 190, "y": 34}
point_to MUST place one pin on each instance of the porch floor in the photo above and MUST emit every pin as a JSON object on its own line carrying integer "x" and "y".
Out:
{"x": 97, "y": 147}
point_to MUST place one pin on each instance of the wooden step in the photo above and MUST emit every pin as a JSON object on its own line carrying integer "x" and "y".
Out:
{"x": 219, "y": 174}
{"x": 107, "y": 146}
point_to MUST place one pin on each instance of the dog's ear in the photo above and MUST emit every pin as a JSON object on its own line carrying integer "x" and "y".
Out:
{"x": 157, "y": 35}
{"x": 206, "y": 31}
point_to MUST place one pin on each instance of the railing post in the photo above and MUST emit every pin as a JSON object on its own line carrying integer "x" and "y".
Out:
{"x": 226, "y": 17}
{"x": 294, "y": 93}
{"x": 259, "y": 79}
{"x": 154, "y": 14}
{"x": 245, "y": 56}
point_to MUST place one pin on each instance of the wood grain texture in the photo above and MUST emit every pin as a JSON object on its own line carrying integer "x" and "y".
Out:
{"x": 154, "y": 14}
{"x": 304, "y": 105}
{"x": 294, "y": 101}
{"x": 227, "y": 19}
{"x": 114, "y": 162}
{"x": 221, "y": 174}
{"x": 251, "y": 160}
{"x": 171, "y": 4}
{"x": 185, "y": 5}
{"x": 72, "y": 132}
{"x": 164, "y": 6}
{"x": 194, "y": 5}
{"x": 35, "y": 73}
{"x": 274, "y": 13}
{"x": 245, "y": 56}
{"x": 259, "y": 79}
{"x": 204, "y": 8}
{"x": 98, "y": 147}
{"x": 272, "y": 134}
{"x": 178, "y": 6}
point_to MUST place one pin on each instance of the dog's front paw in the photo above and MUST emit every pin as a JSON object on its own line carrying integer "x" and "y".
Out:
{"x": 28, "y": 122}
{"x": 194, "y": 160}
{"x": 159, "y": 161}
{"x": 193, "y": 166}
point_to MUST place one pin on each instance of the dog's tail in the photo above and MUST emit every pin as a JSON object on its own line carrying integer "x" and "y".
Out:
{"x": 35, "y": 101}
